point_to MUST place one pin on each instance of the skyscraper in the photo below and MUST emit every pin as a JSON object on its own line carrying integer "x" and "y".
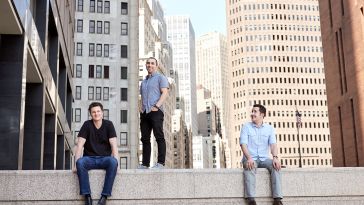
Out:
{"x": 106, "y": 58}
{"x": 275, "y": 59}
{"x": 342, "y": 24}
{"x": 36, "y": 56}
{"x": 181, "y": 35}
{"x": 212, "y": 73}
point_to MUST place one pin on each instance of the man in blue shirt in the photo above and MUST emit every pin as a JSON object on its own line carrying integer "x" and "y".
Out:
{"x": 154, "y": 91}
{"x": 256, "y": 138}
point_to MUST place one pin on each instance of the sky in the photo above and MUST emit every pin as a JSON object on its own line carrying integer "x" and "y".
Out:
{"x": 206, "y": 15}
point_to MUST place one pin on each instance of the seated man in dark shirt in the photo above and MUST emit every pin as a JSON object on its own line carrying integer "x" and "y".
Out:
{"x": 98, "y": 139}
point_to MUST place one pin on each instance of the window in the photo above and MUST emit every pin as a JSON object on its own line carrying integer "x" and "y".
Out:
{"x": 99, "y": 27}
{"x": 106, "y": 93}
{"x": 106, "y": 50}
{"x": 91, "y": 91}
{"x": 79, "y": 49}
{"x": 124, "y": 8}
{"x": 123, "y": 138}
{"x": 106, "y": 114}
{"x": 124, "y": 29}
{"x": 124, "y": 94}
{"x": 91, "y": 26}
{"x": 92, "y": 6}
{"x": 91, "y": 71}
{"x": 124, "y": 72}
{"x": 107, "y": 7}
{"x": 91, "y": 49}
{"x": 78, "y": 92}
{"x": 98, "y": 71}
{"x": 124, "y": 51}
{"x": 106, "y": 72}
{"x": 98, "y": 93}
{"x": 124, "y": 116}
{"x": 107, "y": 27}
{"x": 79, "y": 26}
{"x": 78, "y": 70}
{"x": 78, "y": 115}
{"x": 99, "y": 50}
{"x": 80, "y": 5}
{"x": 99, "y": 6}
{"x": 123, "y": 163}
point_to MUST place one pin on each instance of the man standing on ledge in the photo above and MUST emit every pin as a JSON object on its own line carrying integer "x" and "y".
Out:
{"x": 256, "y": 138}
{"x": 97, "y": 138}
{"x": 154, "y": 91}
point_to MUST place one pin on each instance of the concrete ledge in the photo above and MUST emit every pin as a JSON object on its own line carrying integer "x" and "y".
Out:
{"x": 329, "y": 186}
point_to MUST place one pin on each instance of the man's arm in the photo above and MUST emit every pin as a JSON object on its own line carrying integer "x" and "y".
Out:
{"x": 250, "y": 160}
{"x": 274, "y": 151}
{"x": 163, "y": 97}
{"x": 78, "y": 151}
{"x": 114, "y": 148}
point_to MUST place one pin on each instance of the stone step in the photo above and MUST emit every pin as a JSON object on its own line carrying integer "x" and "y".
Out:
{"x": 315, "y": 186}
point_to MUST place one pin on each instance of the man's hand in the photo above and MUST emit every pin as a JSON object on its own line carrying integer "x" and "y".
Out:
{"x": 276, "y": 164}
{"x": 250, "y": 164}
{"x": 154, "y": 109}
{"x": 74, "y": 169}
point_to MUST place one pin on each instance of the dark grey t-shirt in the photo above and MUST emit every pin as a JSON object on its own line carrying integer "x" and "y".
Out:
{"x": 97, "y": 140}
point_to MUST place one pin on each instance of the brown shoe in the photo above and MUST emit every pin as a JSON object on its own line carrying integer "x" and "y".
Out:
{"x": 277, "y": 201}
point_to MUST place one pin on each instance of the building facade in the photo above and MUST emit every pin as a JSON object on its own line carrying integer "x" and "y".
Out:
{"x": 212, "y": 73}
{"x": 36, "y": 56}
{"x": 275, "y": 59}
{"x": 181, "y": 35}
{"x": 342, "y": 28}
{"x": 106, "y": 62}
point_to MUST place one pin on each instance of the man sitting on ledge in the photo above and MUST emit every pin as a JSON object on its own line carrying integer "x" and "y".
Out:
{"x": 98, "y": 138}
{"x": 256, "y": 138}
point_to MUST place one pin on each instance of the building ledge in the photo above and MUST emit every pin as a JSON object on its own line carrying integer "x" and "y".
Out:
{"x": 328, "y": 186}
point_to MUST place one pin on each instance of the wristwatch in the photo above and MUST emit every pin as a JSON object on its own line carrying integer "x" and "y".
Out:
{"x": 156, "y": 106}
{"x": 275, "y": 157}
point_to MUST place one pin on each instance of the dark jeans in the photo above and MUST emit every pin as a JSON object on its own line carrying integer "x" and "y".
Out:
{"x": 148, "y": 122}
{"x": 86, "y": 163}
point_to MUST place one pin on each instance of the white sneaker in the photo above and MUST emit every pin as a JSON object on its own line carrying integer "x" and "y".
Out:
{"x": 158, "y": 166}
{"x": 142, "y": 167}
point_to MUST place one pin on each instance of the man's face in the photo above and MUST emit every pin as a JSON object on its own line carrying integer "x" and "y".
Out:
{"x": 256, "y": 115}
{"x": 96, "y": 113}
{"x": 151, "y": 65}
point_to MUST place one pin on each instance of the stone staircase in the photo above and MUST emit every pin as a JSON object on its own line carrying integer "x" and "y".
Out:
{"x": 315, "y": 186}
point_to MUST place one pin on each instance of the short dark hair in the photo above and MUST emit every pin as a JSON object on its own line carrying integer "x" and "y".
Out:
{"x": 262, "y": 109}
{"x": 156, "y": 61}
{"x": 95, "y": 104}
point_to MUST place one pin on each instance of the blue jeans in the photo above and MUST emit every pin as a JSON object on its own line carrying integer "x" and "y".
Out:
{"x": 249, "y": 178}
{"x": 86, "y": 163}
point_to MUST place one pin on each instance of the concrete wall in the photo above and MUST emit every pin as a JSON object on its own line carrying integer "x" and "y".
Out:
{"x": 328, "y": 186}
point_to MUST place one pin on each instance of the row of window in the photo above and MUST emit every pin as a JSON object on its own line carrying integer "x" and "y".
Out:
{"x": 267, "y": 6}
{"x": 281, "y": 37}
{"x": 105, "y": 73}
{"x": 269, "y": 59}
{"x": 278, "y": 69}
{"x": 269, "y": 27}
{"x": 307, "y": 81}
{"x": 104, "y": 92}
{"x": 79, "y": 50}
{"x": 77, "y": 116}
{"x": 282, "y": 17}
{"x": 99, "y": 27}
{"x": 292, "y": 138}
{"x": 101, "y": 6}
{"x": 260, "y": 48}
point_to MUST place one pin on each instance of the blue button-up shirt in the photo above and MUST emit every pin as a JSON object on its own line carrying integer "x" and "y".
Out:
{"x": 150, "y": 89}
{"x": 258, "y": 139}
